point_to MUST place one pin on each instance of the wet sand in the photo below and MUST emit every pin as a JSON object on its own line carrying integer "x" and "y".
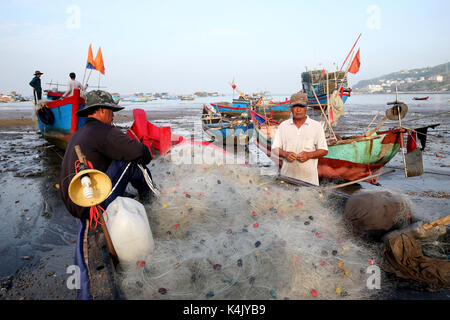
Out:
{"x": 37, "y": 234}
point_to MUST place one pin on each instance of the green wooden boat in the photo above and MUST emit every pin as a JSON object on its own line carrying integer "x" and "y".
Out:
{"x": 348, "y": 159}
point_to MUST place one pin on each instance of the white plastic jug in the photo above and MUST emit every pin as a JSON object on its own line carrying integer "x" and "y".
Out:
{"x": 129, "y": 230}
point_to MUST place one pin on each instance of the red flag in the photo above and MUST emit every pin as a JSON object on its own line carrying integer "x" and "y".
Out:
{"x": 232, "y": 84}
{"x": 411, "y": 145}
{"x": 99, "y": 62}
{"x": 323, "y": 72}
{"x": 354, "y": 67}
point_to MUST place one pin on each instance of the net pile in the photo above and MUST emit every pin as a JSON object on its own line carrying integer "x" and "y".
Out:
{"x": 224, "y": 231}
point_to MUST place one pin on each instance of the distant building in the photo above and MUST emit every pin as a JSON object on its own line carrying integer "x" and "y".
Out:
{"x": 375, "y": 88}
{"x": 437, "y": 78}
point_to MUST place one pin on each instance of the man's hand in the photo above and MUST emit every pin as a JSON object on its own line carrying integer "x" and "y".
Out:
{"x": 291, "y": 156}
{"x": 303, "y": 156}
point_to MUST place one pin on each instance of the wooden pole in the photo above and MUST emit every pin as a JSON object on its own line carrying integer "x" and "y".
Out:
{"x": 369, "y": 133}
{"x": 109, "y": 243}
{"x": 351, "y": 50}
{"x": 346, "y": 72}
{"x": 84, "y": 75}
{"x": 402, "y": 140}
{"x": 328, "y": 98}
{"x": 374, "y": 118}
{"x": 356, "y": 181}
{"x": 441, "y": 221}
{"x": 89, "y": 76}
{"x": 323, "y": 113}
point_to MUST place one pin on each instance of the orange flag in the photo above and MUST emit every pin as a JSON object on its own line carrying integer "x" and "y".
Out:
{"x": 354, "y": 67}
{"x": 98, "y": 63}
{"x": 90, "y": 60}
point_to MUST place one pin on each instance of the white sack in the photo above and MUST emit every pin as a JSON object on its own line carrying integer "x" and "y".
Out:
{"x": 129, "y": 230}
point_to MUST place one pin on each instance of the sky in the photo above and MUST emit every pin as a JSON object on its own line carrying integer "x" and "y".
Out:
{"x": 188, "y": 46}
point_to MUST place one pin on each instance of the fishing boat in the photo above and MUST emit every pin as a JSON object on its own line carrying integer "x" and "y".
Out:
{"x": 348, "y": 159}
{"x": 116, "y": 97}
{"x": 421, "y": 98}
{"x": 139, "y": 99}
{"x": 220, "y": 129}
{"x": 316, "y": 81}
{"x": 57, "y": 119}
{"x": 278, "y": 110}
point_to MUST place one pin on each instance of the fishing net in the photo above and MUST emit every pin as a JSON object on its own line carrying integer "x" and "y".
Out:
{"x": 373, "y": 213}
{"x": 405, "y": 255}
{"x": 224, "y": 231}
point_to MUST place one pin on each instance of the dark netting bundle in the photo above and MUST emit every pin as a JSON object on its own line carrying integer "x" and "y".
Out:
{"x": 371, "y": 214}
{"x": 405, "y": 256}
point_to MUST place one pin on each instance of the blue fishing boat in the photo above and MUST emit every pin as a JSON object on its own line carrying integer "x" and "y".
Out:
{"x": 323, "y": 98}
{"x": 225, "y": 130}
{"x": 317, "y": 81}
{"x": 57, "y": 119}
{"x": 277, "y": 110}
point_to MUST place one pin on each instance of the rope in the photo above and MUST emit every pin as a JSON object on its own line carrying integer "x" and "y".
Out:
{"x": 149, "y": 181}
{"x": 424, "y": 134}
{"x": 94, "y": 214}
{"x": 117, "y": 183}
{"x": 433, "y": 115}
{"x": 430, "y": 172}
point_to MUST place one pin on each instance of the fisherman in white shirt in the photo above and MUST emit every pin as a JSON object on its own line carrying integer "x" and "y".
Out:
{"x": 73, "y": 84}
{"x": 300, "y": 142}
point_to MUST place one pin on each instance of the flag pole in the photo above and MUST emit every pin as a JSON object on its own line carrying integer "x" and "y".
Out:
{"x": 343, "y": 78}
{"x": 351, "y": 50}
{"x": 82, "y": 82}
{"x": 89, "y": 76}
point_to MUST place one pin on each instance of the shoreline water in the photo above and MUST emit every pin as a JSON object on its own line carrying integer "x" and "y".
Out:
{"x": 37, "y": 233}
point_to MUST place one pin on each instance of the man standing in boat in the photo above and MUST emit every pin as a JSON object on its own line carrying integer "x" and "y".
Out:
{"x": 36, "y": 84}
{"x": 300, "y": 141}
{"x": 108, "y": 149}
{"x": 73, "y": 84}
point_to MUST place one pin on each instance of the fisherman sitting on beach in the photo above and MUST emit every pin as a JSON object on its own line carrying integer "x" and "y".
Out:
{"x": 108, "y": 149}
{"x": 300, "y": 141}
{"x": 73, "y": 84}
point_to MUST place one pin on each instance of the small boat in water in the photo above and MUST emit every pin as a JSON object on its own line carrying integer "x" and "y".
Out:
{"x": 237, "y": 131}
{"x": 421, "y": 98}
